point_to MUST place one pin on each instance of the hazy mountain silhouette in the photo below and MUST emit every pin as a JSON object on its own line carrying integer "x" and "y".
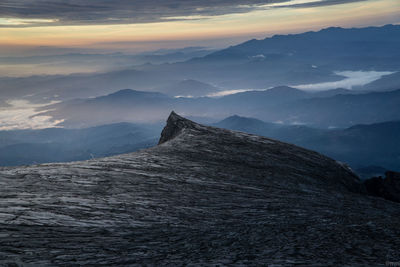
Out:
{"x": 360, "y": 146}
{"x": 331, "y": 46}
{"x": 23, "y": 147}
{"x": 122, "y": 106}
{"x": 344, "y": 110}
{"x": 188, "y": 88}
{"x": 281, "y": 104}
{"x": 386, "y": 83}
{"x": 305, "y": 58}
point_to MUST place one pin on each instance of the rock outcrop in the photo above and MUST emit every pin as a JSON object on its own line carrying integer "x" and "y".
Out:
{"x": 387, "y": 188}
{"x": 204, "y": 196}
{"x": 175, "y": 124}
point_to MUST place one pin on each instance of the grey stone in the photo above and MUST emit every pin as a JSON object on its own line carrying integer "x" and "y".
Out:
{"x": 204, "y": 196}
{"x": 387, "y": 188}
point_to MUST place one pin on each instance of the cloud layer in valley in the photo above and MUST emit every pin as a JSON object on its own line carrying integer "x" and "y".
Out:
{"x": 352, "y": 79}
{"x": 20, "y": 115}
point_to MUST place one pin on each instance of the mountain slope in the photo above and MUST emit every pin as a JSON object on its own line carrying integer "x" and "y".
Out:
{"x": 359, "y": 146}
{"x": 345, "y": 110}
{"x": 122, "y": 106}
{"x": 386, "y": 83}
{"x": 294, "y": 134}
{"x": 204, "y": 196}
{"x": 23, "y": 147}
{"x": 188, "y": 88}
{"x": 298, "y": 107}
{"x": 334, "y": 45}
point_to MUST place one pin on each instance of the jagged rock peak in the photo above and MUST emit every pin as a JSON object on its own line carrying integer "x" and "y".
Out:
{"x": 243, "y": 147}
{"x": 175, "y": 125}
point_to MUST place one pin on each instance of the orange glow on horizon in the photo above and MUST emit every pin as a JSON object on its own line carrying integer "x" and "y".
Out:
{"x": 255, "y": 24}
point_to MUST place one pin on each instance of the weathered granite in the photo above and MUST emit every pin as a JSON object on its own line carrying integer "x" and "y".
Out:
{"x": 387, "y": 188}
{"x": 204, "y": 196}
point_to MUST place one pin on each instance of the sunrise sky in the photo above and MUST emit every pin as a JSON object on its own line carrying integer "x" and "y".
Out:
{"x": 122, "y": 25}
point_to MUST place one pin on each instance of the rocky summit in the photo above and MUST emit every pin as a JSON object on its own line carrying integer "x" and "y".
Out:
{"x": 203, "y": 196}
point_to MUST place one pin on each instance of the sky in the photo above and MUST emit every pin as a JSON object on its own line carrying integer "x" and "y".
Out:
{"x": 133, "y": 26}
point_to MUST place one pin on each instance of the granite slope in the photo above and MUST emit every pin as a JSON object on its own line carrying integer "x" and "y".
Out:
{"x": 203, "y": 196}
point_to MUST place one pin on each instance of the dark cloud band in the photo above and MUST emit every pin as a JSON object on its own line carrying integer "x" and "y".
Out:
{"x": 78, "y": 12}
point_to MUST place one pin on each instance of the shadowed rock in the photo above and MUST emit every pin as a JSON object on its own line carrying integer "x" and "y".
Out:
{"x": 387, "y": 188}
{"x": 175, "y": 124}
{"x": 204, "y": 196}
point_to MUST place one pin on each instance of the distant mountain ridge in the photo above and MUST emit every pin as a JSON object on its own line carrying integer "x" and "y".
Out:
{"x": 386, "y": 83}
{"x": 305, "y": 58}
{"x": 361, "y": 146}
{"x": 334, "y": 109}
{"x": 188, "y": 88}
{"x": 24, "y": 147}
{"x": 331, "y": 39}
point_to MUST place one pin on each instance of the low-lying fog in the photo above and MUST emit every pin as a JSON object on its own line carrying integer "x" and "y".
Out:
{"x": 352, "y": 79}
{"x": 19, "y": 115}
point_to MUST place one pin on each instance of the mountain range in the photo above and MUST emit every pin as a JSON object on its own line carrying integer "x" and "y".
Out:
{"x": 305, "y": 58}
{"x": 335, "y": 109}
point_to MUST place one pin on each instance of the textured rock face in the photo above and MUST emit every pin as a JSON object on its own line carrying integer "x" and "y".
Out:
{"x": 204, "y": 196}
{"x": 175, "y": 124}
{"x": 388, "y": 188}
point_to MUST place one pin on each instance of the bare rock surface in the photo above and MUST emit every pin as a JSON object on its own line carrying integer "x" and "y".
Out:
{"x": 204, "y": 196}
{"x": 387, "y": 188}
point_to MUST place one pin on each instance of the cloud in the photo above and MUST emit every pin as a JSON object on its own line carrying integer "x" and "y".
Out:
{"x": 28, "y": 13}
{"x": 20, "y": 115}
{"x": 352, "y": 79}
{"x": 315, "y": 3}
